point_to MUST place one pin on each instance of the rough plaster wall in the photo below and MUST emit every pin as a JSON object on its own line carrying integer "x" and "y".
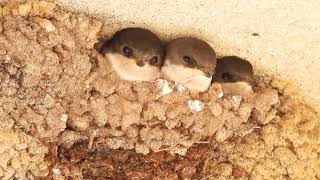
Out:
{"x": 287, "y": 44}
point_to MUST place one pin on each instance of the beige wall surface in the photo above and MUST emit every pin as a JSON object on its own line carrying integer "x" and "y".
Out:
{"x": 286, "y": 40}
{"x": 287, "y": 45}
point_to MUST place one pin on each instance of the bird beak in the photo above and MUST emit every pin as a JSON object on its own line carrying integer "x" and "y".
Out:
{"x": 140, "y": 63}
{"x": 249, "y": 80}
{"x": 207, "y": 72}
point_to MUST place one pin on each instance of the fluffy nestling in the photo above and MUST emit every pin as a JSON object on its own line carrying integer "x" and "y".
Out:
{"x": 135, "y": 54}
{"x": 190, "y": 62}
{"x": 235, "y": 75}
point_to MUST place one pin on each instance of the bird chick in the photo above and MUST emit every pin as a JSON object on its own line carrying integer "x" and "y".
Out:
{"x": 235, "y": 75}
{"x": 135, "y": 54}
{"x": 190, "y": 62}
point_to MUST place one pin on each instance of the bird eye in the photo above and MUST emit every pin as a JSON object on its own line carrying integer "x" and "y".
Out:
{"x": 226, "y": 76}
{"x": 127, "y": 51}
{"x": 154, "y": 60}
{"x": 187, "y": 60}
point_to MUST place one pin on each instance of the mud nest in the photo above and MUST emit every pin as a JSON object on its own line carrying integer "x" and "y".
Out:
{"x": 65, "y": 114}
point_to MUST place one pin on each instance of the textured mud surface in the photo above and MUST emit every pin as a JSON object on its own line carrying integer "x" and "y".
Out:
{"x": 66, "y": 114}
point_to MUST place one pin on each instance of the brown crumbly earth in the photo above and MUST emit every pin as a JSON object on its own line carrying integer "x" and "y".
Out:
{"x": 65, "y": 114}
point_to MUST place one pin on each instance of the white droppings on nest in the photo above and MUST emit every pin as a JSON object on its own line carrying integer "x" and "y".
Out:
{"x": 220, "y": 94}
{"x": 195, "y": 105}
{"x": 163, "y": 85}
{"x": 56, "y": 171}
{"x": 64, "y": 117}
